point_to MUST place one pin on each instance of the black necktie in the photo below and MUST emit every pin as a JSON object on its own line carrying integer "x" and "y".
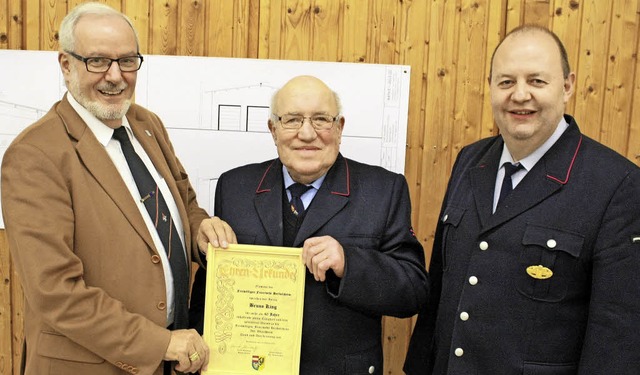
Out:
{"x": 507, "y": 183}
{"x": 161, "y": 217}
{"x": 296, "y": 191}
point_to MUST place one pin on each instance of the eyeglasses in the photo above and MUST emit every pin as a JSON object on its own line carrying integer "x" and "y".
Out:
{"x": 319, "y": 122}
{"x": 102, "y": 64}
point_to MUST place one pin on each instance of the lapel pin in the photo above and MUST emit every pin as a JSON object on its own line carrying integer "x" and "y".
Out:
{"x": 148, "y": 133}
{"x": 539, "y": 272}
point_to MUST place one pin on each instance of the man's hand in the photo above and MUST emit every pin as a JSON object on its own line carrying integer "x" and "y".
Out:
{"x": 320, "y": 254}
{"x": 216, "y": 232}
{"x": 183, "y": 346}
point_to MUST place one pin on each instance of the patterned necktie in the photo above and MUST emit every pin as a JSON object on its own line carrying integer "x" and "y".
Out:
{"x": 161, "y": 217}
{"x": 296, "y": 191}
{"x": 507, "y": 183}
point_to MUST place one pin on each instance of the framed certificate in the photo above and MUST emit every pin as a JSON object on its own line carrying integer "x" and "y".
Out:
{"x": 253, "y": 310}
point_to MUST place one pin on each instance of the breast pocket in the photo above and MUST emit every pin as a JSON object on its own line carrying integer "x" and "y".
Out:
{"x": 549, "y": 258}
{"x": 450, "y": 219}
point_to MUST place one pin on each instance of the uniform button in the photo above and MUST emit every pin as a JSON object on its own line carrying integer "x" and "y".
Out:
{"x": 473, "y": 280}
{"x": 445, "y": 217}
{"x": 372, "y": 369}
{"x": 484, "y": 245}
{"x": 464, "y": 316}
{"x": 155, "y": 259}
{"x": 459, "y": 352}
{"x": 161, "y": 305}
{"x": 551, "y": 243}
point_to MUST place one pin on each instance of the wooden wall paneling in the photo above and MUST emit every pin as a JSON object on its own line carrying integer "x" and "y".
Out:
{"x": 220, "y": 29}
{"x": 52, "y": 12}
{"x": 270, "y": 32}
{"x": 164, "y": 21}
{"x": 17, "y": 316}
{"x": 297, "y": 30}
{"x": 496, "y": 26}
{"x": 567, "y": 23}
{"x": 191, "y": 16}
{"x": 633, "y": 146}
{"x": 621, "y": 58}
{"x": 244, "y": 39}
{"x": 591, "y": 65}
{"x": 327, "y": 30}
{"x": 384, "y": 21}
{"x": 5, "y": 16}
{"x": 6, "y": 326}
{"x": 354, "y": 36}
{"x": 439, "y": 125}
{"x": 537, "y": 12}
{"x": 31, "y": 31}
{"x": 414, "y": 52}
{"x": 514, "y": 14}
{"x": 140, "y": 14}
{"x": 251, "y": 26}
{"x": 16, "y": 24}
{"x": 469, "y": 99}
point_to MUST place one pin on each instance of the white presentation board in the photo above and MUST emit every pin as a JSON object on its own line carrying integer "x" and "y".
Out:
{"x": 216, "y": 109}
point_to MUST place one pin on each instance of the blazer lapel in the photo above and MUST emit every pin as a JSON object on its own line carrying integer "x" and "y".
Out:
{"x": 330, "y": 199}
{"x": 268, "y": 202}
{"x": 99, "y": 165}
{"x": 548, "y": 176}
{"x": 483, "y": 181}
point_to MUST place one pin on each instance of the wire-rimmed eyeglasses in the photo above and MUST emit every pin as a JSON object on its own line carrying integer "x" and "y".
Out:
{"x": 100, "y": 64}
{"x": 319, "y": 121}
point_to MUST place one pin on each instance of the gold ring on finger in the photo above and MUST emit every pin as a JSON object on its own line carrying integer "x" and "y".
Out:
{"x": 194, "y": 357}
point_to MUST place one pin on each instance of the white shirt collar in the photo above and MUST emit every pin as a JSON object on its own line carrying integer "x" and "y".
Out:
{"x": 101, "y": 131}
{"x": 530, "y": 161}
{"x": 288, "y": 181}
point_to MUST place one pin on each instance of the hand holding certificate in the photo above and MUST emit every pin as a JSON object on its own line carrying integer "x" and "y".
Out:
{"x": 253, "y": 309}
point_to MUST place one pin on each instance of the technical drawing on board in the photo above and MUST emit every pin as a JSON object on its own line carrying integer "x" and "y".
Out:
{"x": 216, "y": 109}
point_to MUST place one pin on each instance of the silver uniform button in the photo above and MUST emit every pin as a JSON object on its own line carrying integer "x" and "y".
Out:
{"x": 464, "y": 316}
{"x": 372, "y": 369}
{"x": 473, "y": 280}
{"x": 484, "y": 245}
{"x": 551, "y": 243}
{"x": 445, "y": 217}
{"x": 458, "y": 352}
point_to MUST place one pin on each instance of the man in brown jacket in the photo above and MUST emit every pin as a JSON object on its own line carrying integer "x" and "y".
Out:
{"x": 99, "y": 286}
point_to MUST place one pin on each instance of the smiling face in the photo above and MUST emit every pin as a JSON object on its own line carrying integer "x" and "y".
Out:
{"x": 528, "y": 90}
{"x": 306, "y": 152}
{"x": 106, "y": 95}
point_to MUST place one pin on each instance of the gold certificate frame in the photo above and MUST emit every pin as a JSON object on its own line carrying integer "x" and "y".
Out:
{"x": 253, "y": 310}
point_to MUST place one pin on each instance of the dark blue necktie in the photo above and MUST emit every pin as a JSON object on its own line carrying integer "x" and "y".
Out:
{"x": 507, "y": 183}
{"x": 161, "y": 217}
{"x": 296, "y": 190}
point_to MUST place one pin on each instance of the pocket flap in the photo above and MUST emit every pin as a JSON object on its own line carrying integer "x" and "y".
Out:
{"x": 553, "y": 239}
{"x": 55, "y": 345}
{"x": 452, "y": 215}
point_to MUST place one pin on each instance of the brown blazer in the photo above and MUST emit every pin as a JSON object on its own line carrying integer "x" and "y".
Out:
{"x": 92, "y": 278}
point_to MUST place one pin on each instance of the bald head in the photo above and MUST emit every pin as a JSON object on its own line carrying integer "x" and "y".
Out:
{"x": 298, "y": 85}
{"x": 564, "y": 59}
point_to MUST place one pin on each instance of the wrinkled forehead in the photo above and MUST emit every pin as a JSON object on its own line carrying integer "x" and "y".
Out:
{"x": 306, "y": 97}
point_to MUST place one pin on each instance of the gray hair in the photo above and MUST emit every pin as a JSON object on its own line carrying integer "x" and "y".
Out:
{"x": 68, "y": 24}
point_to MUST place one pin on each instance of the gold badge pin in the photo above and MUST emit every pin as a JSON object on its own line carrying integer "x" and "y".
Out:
{"x": 539, "y": 272}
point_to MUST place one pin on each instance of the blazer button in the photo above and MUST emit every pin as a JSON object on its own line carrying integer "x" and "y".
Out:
{"x": 161, "y": 305}
{"x": 155, "y": 259}
{"x": 372, "y": 369}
